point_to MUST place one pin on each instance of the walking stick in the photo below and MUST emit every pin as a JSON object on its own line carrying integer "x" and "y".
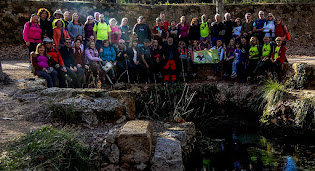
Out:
{"x": 127, "y": 69}
{"x": 183, "y": 71}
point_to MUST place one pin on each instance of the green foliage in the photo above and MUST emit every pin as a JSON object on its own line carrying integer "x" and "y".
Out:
{"x": 304, "y": 111}
{"x": 272, "y": 93}
{"x": 47, "y": 149}
{"x": 65, "y": 113}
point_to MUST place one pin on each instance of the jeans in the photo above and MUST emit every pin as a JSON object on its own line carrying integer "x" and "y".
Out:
{"x": 235, "y": 64}
{"x": 51, "y": 78}
{"x": 61, "y": 77}
{"x": 77, "y": 77}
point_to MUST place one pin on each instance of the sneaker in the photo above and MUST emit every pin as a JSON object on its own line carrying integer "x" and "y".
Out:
{"x": 234, "y": 75}
{"x": 225, "y": 75}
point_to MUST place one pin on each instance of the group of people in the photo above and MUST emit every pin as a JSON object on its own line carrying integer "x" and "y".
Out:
{"x": 66, "y": 52}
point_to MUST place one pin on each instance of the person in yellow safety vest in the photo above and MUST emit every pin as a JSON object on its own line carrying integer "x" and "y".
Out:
{"x": 265, "y": 62}
{"x": 253, "y": 58}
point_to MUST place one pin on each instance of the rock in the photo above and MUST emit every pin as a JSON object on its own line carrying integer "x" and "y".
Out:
{"x": 35, "y": 85}
{"x": 127, "y": 99}
{"x": 111, "y": 136}
{"x": 135, "y": 141}
{"x": 188, "y": 127}
{"x": 113, "y": 155}
{"x": 57, "y": 92}
{"x": 178, "y": 134}
{"x": 167, "y": 155}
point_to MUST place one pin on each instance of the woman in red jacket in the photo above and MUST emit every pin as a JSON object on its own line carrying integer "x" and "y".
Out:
{"x": 281, "y": 30}
{"x": 278, "y": 55}
{"x": 60, "y": 34}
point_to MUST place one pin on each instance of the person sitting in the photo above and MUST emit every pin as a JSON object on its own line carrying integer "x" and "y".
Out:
{"x": 75, "y": 73}
{"x": 60, "y": 34}
{"x": 264, "y": 63}
{"x": 253, "y": 58}
{"x": 237, "y": 59}
{"x": 278, "y": 56}
{"x": 108, "y": 54}
{"x": 93, "y": 60}
{"x": 79, "y": 56}
{"x": 59, "y": 64}
{"x": 134, "y": 64}
{"x": 204, "y": 44}
{"x": 43, "y": 65}
{"x": 121, "y": 58}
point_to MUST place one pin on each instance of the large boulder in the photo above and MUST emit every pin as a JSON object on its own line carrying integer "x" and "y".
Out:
{"x": 167, "y": 155}
{"x": 135, "y": 141}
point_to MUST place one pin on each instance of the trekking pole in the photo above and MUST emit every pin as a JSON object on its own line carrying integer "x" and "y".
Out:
{"x": 183, "y": 71}
{"x": 127, "y": 69}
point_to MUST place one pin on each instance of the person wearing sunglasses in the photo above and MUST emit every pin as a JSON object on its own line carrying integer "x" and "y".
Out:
{"x": 247, "y": 27}
{"x": 278, "y": 56}
{"x": 237, "y": 30}
{"x": 270, "y": 27}
{"x": 281, "y": 30}
{"x": 76, "y": 74}
{"x": 258, "y": 26}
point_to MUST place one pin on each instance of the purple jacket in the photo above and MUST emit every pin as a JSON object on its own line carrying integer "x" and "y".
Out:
{"x": 92, "y": 54}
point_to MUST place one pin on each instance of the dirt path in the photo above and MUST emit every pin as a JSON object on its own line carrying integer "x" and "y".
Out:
{"x": 15, "y": 117}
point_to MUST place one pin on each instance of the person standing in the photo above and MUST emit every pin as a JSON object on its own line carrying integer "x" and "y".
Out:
{"x": 141, "y": 31}
{"x": 171, "y": 56}
{"x": 247, "y": 27}
{"x": 237, "y": 30}
{"x": 158, "y": 32}
{"x": 60, "y": 34}
{"x": 75, "y": 27}
{"x": 88, "y": 29}
{"x": 269, "y": 27}
{"x": 32, "y": 33}
{"x": 97, "y": 17}
{"x": 229, "y": 25}
{"x": 45, "y": 23}
{"x": 164, "y": 23}
{"x": 125, "y": 31}
{"x": 101, "y": 32}
{"x": 204, "y": 28}
{"x": 217, "y": 30}
{"x": 145, "y": 52}
{"x": 67, "y": 18}
{"x": 134, "y": 65}
{"x": 183, "y": 30}
{"x": 58, "y": 15}
{"x": 116, "y": 32}
{"x": 258, "y": 26}
{"x": 194, "y": 30}
{"x": 173, "y": 31}
{"x": 281, "y": 30}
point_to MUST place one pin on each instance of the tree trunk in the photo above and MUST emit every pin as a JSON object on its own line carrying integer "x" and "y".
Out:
{"x": 220, "y": 8}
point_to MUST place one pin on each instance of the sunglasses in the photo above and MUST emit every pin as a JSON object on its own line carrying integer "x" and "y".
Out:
{"x": 47, "y": 43}
{"x": 68, "y": 42}
{"x": 238, "y": 21}
{"x": 122, "y": 43}
{"x": 181, "y": 44}
{"x": 269, "y": 16}
{"x": 261, "y": 14}
{"x": 90, "y": 19}
{"x": 278, "y": 20}
{"x": 278, "y": 40}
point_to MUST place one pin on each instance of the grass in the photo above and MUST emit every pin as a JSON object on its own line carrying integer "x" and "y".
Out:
{"x": 47, "y": 149}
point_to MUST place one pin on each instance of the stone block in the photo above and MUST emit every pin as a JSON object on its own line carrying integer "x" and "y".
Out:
{"x": 135, "y": 141}
{"x": 167, "y": 155}
{"x": 127, "y": 99}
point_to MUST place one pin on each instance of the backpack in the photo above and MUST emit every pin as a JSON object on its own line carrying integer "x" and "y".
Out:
{"x": 286, "y": 33}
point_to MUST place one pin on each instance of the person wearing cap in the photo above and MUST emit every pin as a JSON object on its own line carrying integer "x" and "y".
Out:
{"x": 58, "y": 14}
{"x": 101, "y": 32}
{"x": 158, "y": 31}
{"x": 60, "y": 34}
{"x": 219, "y": 47}
{"x": 45, "y": 23}
{"x": 171, "y": 58}
{"x": 278, "y": 55}
{"x": 141, "y": 31}
{"x": 32, "y": 33}
{"x": 59, "y": 64}
{"x": 204, "y": 44}
{"x": 146, "y": 61}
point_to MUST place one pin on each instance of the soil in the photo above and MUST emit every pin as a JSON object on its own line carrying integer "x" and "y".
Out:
{"x": 18, "y": 118}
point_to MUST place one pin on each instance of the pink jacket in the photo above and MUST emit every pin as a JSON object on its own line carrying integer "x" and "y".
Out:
{"x": 32, "y": 33}
{"x": 92, "y": 54}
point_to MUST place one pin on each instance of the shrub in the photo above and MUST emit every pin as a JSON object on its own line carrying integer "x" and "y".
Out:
{"x": 47, "y": 149}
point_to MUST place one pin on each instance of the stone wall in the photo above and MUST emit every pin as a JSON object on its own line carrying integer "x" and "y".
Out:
{"x": 14, "y": 13}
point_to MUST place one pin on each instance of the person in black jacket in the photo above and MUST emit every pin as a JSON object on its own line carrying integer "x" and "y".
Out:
{"x": 194, "y": 30}
{"x": 228, "y": 24}
{"x": 134, "y": 58}
{"x": 75, "y": 73}
{"x": 141, "y": 31}
{"x": 171, "y": 56}
{"x": 217, "y": 30}
{"x": 45, "y": 23}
